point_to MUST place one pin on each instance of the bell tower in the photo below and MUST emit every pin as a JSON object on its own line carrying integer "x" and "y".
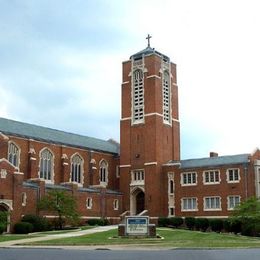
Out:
{"x": 149, "y": 128}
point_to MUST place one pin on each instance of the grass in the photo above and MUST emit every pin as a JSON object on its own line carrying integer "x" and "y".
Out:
{"x": 8, "y": 237}
{"x": 172, "y": 238}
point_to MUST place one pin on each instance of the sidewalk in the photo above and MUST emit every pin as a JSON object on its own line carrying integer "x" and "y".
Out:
{"x": 17, "y": 243}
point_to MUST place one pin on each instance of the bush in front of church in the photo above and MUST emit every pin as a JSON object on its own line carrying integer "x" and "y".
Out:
{"x": 23, "y": 228}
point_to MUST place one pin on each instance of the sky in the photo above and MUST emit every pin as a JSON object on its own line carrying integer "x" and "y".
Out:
{"x": 61, "y": 65}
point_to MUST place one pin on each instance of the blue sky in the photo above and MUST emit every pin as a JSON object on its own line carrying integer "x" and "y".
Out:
{"x": 60, "y": 65}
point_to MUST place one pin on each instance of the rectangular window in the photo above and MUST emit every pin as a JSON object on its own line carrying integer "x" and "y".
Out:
{"x": 233, "y": 175}
{"x": 89, "y": 203}
{"x": 138, "y": 175}
{"x": 171, "y": 211}
{"x": 233, "y": 201}
{"x": 212, "y": 203}
{"x": 189, "y": 178}
{"x": 211, "y": 177}
{"x": 189, "y": 204}
{"x": 116, "y": 204}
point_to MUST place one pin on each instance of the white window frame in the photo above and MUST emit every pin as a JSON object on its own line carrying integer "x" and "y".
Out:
{"x": 116, "y": 204}
{"x": 187, "y": 174}
{"x": 13, "y": 155}
{"x": 24, "y": 199}
{"x": 166, "y": 94}
{"x": 77, "y": 169}
{"x": 171, "y": 186}
{"x": 138, "y": 96}
{"x": 137, "y": 177}
{"x": 89, "y": 203}
{"x": 103, "y": 172}
{"x": 233, "y": 197}
{"x": 233, "y": 175}
{"x": 193, "y": 201}
{"x": 212, "y": 201}
{"x": 48, "y": 167}
{"x": 209, "y": 172}
{"x": 171, "y": 211}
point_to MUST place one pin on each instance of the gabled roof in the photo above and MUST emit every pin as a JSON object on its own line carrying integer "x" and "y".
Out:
{"x": 211, "y": 161}
{"x": 25, "y": 130}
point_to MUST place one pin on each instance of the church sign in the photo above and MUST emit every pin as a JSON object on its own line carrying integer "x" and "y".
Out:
{"x": 137, "y": 226}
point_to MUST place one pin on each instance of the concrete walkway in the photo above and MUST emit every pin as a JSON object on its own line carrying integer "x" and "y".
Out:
{"x": 17, "y": 243}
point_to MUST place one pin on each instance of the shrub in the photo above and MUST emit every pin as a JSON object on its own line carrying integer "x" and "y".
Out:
{"x": 176, "y": 221}
{"x": 2, "y": 228}
{"x": 23, "y": 228}
{"x": 98, "y": 222}
{"x": 250, "y": 226}
{"x": 38, "y": 223}
{"x": 227, "y": 225}
{"x": 216, "y": 224}
{"x": 190, "y": 222}
{"x": 235, "y": 225}
{"x": 163, "y": 222}
{"x": 201, "y": 224}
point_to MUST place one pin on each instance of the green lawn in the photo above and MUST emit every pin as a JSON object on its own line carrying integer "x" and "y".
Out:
{"x": 4, "y": 238}
{"x": 172, "y": 238}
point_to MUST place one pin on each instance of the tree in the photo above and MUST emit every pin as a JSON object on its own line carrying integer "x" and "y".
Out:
{"x": 248, "y": 214}
{"x": 62, "y": 204}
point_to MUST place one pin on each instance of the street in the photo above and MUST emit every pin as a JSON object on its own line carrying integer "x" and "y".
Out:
{"x": 101, "y": 254}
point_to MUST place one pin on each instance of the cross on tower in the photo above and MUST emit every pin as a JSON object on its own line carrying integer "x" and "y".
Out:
{"x": 148, "y": 39}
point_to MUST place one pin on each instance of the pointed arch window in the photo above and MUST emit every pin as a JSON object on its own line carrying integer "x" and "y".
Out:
{"x": 103, "y": 172}
{"x": 166, "y": 98}
{"x": 13, "y": 154}
{"x": 77, "y": 169}
{"x": 138, "y": 97}
{"x": 46, "y": 165}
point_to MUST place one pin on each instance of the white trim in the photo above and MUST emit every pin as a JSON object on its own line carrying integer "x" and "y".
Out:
{"x": 33, "y": 159}
{"x": 52, "y": 166}
{"x": 89, "y": 203}
{"x": 125, "y": 166}
{"x": 228, "y": 200}
{"x": 18, "y": 153}
{"x": 154, "y": 114}
{"x": 175, "y": 120}
{"x": 189, "y": 184}
{"x": 227, "y": 174}
{"x": 174, "y": 84}
{"x": 125, "y": 82}
{"x": 19, "y": 173}
{"x": 214, "y": 182}
{"x": 212, "y": 209}
{"x": 153, "y": 76}
{"x": 125, "y": 119}
{"x": 189, "y": 198}
{"x": 82, "y": 169}
{"x": 150, "y": 163}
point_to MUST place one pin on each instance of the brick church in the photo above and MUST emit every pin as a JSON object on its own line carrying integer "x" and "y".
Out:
{"x": 143, "y": 175}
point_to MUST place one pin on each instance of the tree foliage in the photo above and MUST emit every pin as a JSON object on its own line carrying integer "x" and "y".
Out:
{"x": 62, "y": 204}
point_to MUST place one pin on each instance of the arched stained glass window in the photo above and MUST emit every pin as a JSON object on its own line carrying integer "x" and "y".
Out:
{"x": 46, "y": 164}
{"x": 13, "y": 154}
{"x": 103, "y": 172}
{"x": 76, "y": 169}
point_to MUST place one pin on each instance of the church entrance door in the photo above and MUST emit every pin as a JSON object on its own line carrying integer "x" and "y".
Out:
{"x": 140, "y": 201}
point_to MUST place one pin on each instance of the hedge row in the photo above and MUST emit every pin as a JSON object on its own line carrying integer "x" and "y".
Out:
{"x": 246, "y": 226}
{"x": 98, "y": 222}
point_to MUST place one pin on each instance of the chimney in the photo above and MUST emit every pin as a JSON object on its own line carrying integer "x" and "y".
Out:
{"x": 213, "y": 154}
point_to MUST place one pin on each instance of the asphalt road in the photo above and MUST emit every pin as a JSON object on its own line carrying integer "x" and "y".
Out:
{"x": 65, "y": 254}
